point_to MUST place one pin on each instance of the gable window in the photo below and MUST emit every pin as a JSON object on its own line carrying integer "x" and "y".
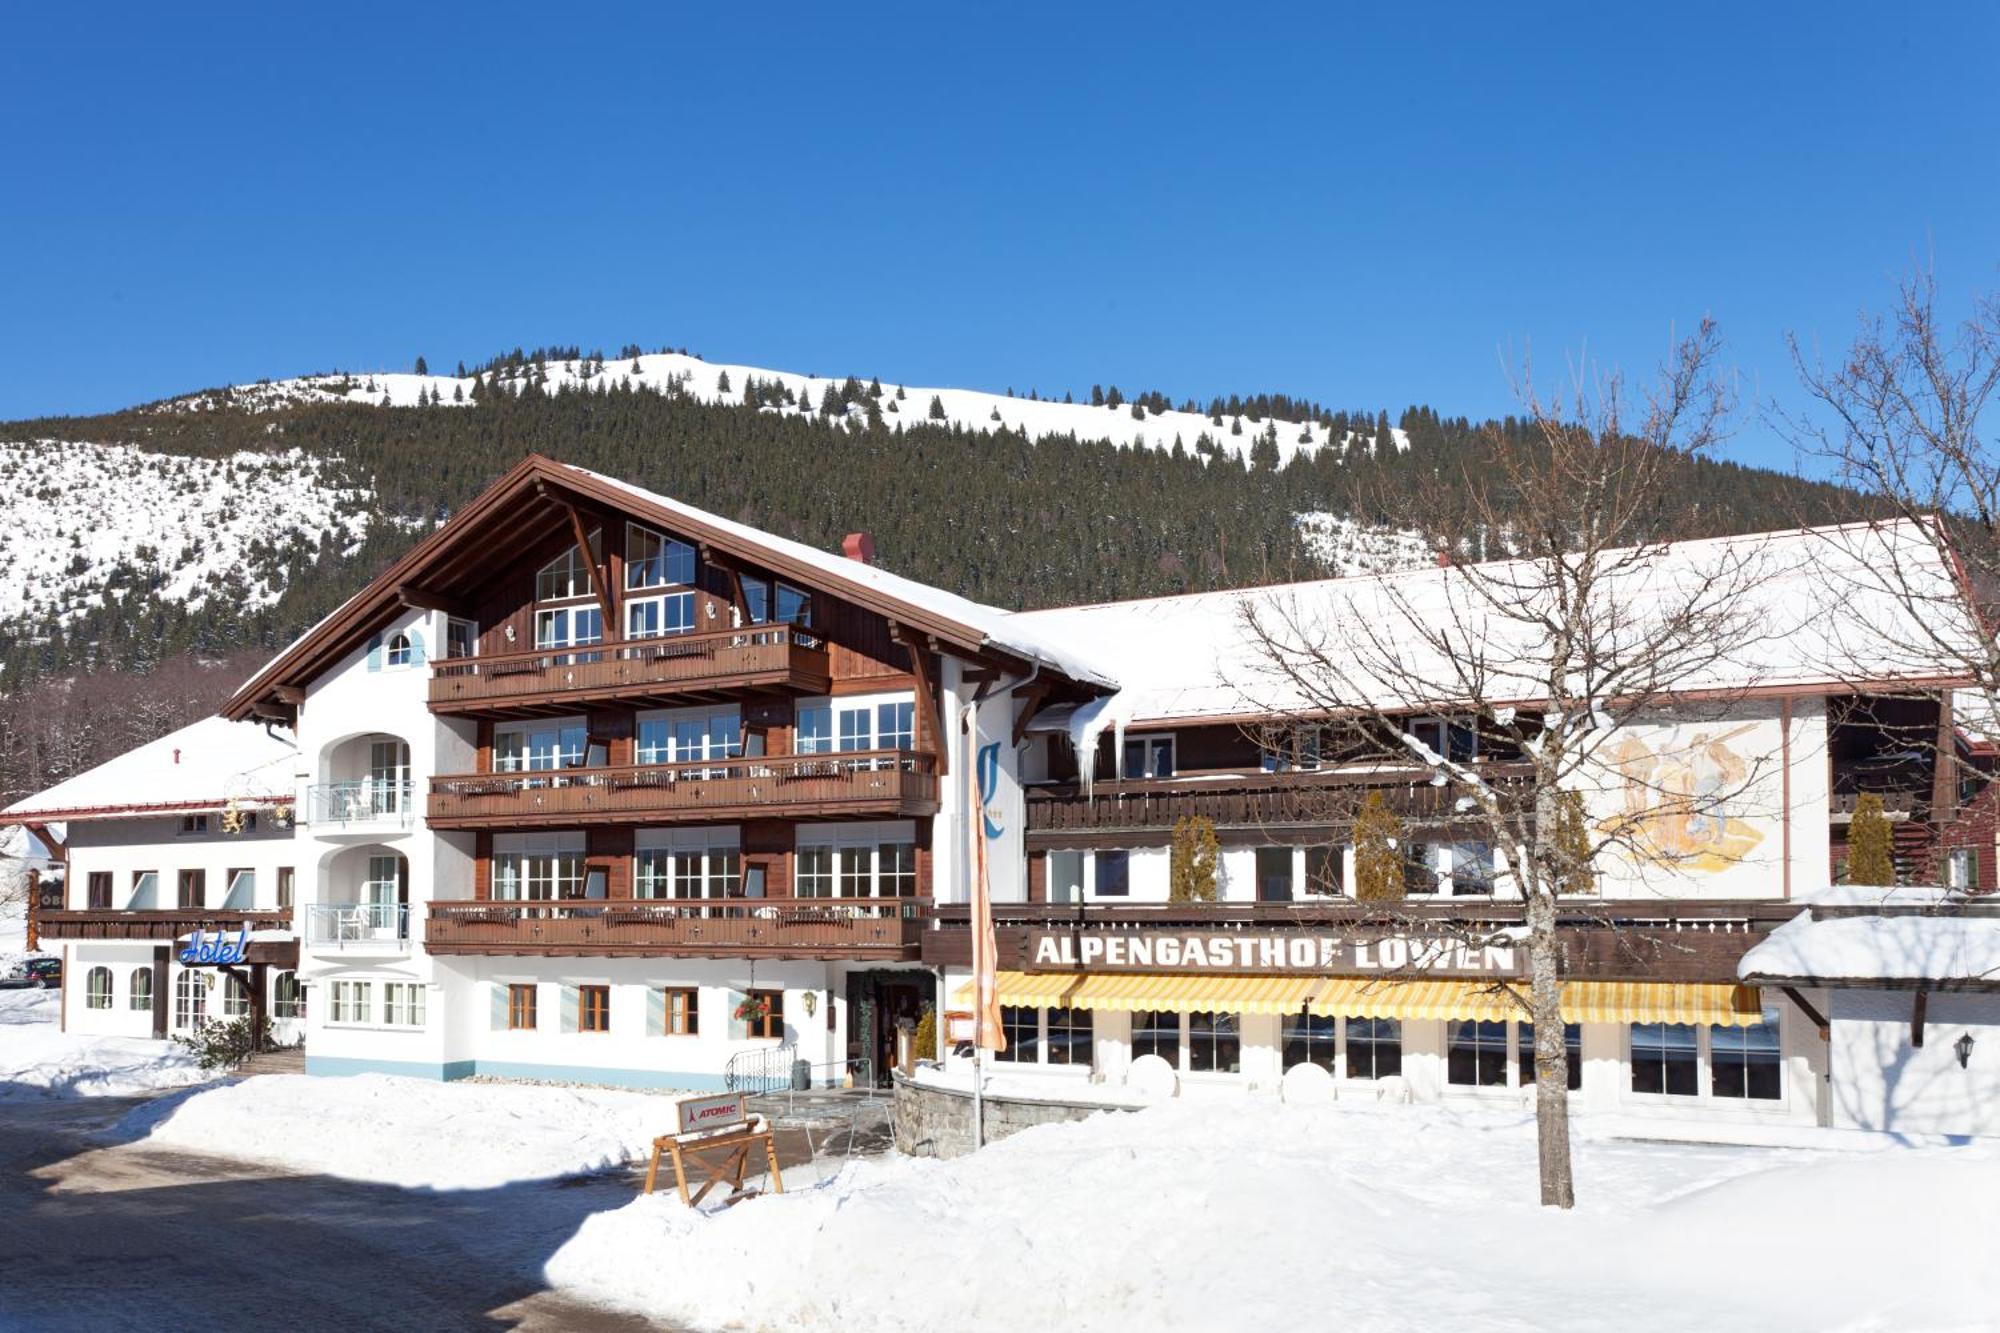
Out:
{"x": 568, "y": 575}
{"x": 397, "y": 651}
{"x": 1149, "y": 756}
{"x": 656, "y": 617}
{"x": 794, "y": 605}
{"x": 656, "y": 561}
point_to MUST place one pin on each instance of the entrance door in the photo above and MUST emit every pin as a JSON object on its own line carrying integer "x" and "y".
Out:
{"x": 897, "y": 1002}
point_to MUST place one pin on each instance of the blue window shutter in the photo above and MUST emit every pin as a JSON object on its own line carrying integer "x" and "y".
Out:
{"x": 416, "y": 647}
{"x": 375, "y": 653}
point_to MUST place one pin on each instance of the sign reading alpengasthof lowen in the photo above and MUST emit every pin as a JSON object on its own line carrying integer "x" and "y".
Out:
{"x": 1262, "y": 952}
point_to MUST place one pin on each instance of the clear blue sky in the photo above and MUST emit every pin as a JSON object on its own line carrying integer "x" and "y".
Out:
{"x": 1367, "y": 209}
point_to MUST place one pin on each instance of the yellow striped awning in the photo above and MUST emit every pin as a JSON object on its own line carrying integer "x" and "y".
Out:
{"x": 1032, "y": 990}
{"x": 1381, "y": 997}
{"x": 1720, "y": 1004}
{"x": 1187, "y": 994}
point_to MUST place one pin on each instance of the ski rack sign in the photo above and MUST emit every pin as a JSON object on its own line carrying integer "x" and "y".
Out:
{"x": 1266, "y": 953}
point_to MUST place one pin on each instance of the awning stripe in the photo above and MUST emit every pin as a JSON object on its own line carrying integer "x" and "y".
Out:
{"x": 1379, "y": 997}
{"x": 1033, "y": 990}
{"x": 1720, "y": 1004}
{"x": 1186, "y": 994}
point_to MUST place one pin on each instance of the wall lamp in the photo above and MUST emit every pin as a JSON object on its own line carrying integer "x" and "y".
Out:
{"x": 1963, "y": 1048}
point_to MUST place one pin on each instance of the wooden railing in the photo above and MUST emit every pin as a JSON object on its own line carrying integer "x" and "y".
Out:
{"x": 1895, "y": 804}
{"x": 154, "y": 923}
{"x": 898, "y": 783}
{"x": 767, "y": 656}
{"x": 783, "y": 928}
{"x": 1332, "y": 912}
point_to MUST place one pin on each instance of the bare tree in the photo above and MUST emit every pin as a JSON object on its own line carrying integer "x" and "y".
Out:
{"x": 1548, "y": 657}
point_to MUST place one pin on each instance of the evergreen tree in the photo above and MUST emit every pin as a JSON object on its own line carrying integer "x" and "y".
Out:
{"x": 1097, "y": 395}
{"x": 937, "y": 408}
{"x": 722, "y": 386}
{"x": 1378, "y": 861}
{"x": 1192, "y": 859}
{"x": 422, "y": 369}
{"x": 1264, "y": 453}
{"x": 874, "y": 387}
{"x": 1572, "y": 846}
{"x": 1868, "y": 844}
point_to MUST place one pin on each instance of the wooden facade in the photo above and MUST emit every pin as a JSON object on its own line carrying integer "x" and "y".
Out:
{"x": 887, "y": 930}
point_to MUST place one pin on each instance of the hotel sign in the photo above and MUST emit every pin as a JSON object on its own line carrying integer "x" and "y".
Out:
{"x": 1267, "y": 953}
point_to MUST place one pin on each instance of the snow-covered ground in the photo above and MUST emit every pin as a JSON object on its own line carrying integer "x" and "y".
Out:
{"x": 38, "y": 1060}
{"x": 411, "y": 1132}
{"x": 1192, "y": 1217}
{"x": 193, "y": 524}
{"x": 1347, "y": 547}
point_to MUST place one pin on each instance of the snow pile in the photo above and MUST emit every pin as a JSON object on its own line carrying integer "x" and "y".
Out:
{"x": 413, "y": 1132}
{"x": 968, "y": 409}
{"x": 37, "y": 1060}
{"x": 1406, "y": 1218}
{"x": 1878, "y": 948}
{"x": 189, "y": 528}
{"x": 1344, "y": 546}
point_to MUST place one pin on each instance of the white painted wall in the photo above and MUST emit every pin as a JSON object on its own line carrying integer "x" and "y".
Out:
{"x": 1880, "y": 1081}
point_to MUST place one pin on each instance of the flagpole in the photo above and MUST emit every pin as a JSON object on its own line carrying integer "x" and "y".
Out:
{"x": 977, "y": 827}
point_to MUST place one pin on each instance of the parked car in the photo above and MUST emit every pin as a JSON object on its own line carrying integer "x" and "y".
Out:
{"x": 34, "y": 974}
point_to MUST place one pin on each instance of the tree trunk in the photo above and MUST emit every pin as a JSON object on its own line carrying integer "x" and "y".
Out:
{"x": 1551, "y": 1053}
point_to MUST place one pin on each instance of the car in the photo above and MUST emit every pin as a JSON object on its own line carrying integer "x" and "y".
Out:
{"x": 34, "y": 974}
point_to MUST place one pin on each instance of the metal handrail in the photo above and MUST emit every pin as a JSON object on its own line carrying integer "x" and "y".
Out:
{"x": 357, "y": 923}
{"x": 750, "y": 1071}
{"x": 362, "y": 801}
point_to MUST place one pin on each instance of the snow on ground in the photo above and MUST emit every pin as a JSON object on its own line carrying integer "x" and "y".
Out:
{"x": 1347, "y": 547}
{"x": 192, "y": 524}
{"x": 971, "y": 409}
{"x": 1193, "y": 1217}
{"x": 38, "y": 1060}
{"x": 412, "y": 1132}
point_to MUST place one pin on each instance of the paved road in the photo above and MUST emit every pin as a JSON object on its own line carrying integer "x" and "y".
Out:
{"x": 119, "y": 1238}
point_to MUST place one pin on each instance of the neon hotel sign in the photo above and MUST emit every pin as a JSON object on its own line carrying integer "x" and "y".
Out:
{"x": 1265, "y": 952}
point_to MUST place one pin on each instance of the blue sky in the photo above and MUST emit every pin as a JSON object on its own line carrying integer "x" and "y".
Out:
{"x": 1371, "y": 209}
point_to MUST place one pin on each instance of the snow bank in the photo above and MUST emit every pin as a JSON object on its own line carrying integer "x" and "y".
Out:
{"x": 37, "y": 1060}
{"x": 1878, "y": 948}
{"x": 413, "y": 1132}
{"x": 1183, "y": 1217}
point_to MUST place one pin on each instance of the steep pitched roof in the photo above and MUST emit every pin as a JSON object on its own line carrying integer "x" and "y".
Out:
{"x": 205, "y": 766}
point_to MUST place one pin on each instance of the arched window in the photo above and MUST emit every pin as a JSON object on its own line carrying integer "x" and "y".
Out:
{"x": 190, "y": 999}
{"x": 398, "y": 651}
{"x": 235, "y": 997}
{"x": 97, "y": 988}
{"x": 288, "y": 998}
{"x": 142, "y": 988}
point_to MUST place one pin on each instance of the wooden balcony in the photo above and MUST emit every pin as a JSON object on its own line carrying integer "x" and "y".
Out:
{"x": 856, "y": 784}
{"x": 678, "y": 669}
{"x": 882, "y": 929}
{"x": 169, "y": 923}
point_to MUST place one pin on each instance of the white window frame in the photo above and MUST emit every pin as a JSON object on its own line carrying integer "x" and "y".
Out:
{"x": 563, "y": 730}
{"x": 546, "y": 638}
{"x": 190, "y": 999}
{"x": 859, "y": 847}
{"x": 670, "y": 547}
{"x": 139, "y": 998}
{"x": 93, "y": 998}
{"x": 1153, "y": 741}
{"x": 1704, "y": 1079}
{"x": 664, "y": 861}
{"x": 538, "y": 867}
{"x": 867, "y": 708}
{"x": 1088, "y": 875}
{"x": 568, "y": 566}
{"x": 719, "y": 744}
{"x": 403, "y": 1004}
{"x": 397, "y": 651}
{"x": 453, "y": 626}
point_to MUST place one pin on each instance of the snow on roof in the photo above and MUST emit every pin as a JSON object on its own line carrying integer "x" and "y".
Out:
{"x": 206, "y": 765}
{"x": 1877, "y": 895}
{"x": 1008, "y": 630}
{"x": 1811, "y": 616}
{"x": 1877, "y": 948}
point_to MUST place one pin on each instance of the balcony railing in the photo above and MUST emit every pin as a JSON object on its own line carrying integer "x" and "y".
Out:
{"x": 154, "y": 923}
{"x": 763, "y": 656}
{"x": 899, "y": 783}
{"x": 358, "y": 926}
{"x": 1895, "y": 804}
{"x": 369, "y": 801}
{"x": 806, "y": 928}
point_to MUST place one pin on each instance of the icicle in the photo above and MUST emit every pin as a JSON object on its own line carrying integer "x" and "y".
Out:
{"x": 1086, "y": 726}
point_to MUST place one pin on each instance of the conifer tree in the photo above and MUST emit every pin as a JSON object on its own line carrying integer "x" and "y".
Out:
{"x": 1868, "y": 842}
{"x": 722, "y": 385}
{"x": 1378, "y": 863}
{"x": 937, "y": 408}
{"x": 1572, "y": 845}
{"x": 1192, "y": 860}
{"x": 874, "y": 387}
{"x": 422, "y": 369}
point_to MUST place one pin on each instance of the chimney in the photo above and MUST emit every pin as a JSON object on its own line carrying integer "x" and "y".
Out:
{"x": 858, "y": 546}
{"x": 177, "y": 754}
{"x": 1444, "y": 558}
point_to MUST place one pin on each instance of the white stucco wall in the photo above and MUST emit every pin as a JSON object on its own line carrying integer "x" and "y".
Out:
{"x": 1880, "y": 1081}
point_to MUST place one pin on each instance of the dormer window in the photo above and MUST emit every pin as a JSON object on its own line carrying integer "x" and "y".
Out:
{"x": 653, "y": 560}
{"x": 568, "y": 575}
{"x": 397, "y": 651}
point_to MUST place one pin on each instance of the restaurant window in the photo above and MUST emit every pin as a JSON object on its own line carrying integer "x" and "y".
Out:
{"x": 813, "y": 876}
{"x": 403, "y": 1004}
{"x": 352, "y": 1002}
{"x": 1374, "y": 1047}
{"x": 1114, "y": 874}
{"x": 192, "y": 889}
{"x": 1157, "y": 1033}
{"x": 99, "y": 885}
{"x": 1476, "y": 1054}
{"x": 287, "y": 882}
{"x": 593, "y": 1008}
{"x": 1664, "y": 1059}
{"x": 1070, "y": 1037}
{"x": 655, "y": 617}
{"x": 568, "y": 575}
{"x": 1471, "y": 869}
{"x": 461, "y": 638}
{"x": 288, "y": 998}
{"x": 521, "y": 1006}
{"x": 770, "y": 1027}
{"x": 1746, "y": 1063}
{"x": 1215, "y": 1043}
{"x": 1420, "y": 868}
{"x": 190, "y": 999}
{"x": 97, "y": 988}
{"x": 1524, "y": 1053}
{"x": 1274, "y": 874}
{"x": 235, "y": 996}
{"x": 1149, "y": 756}
{"x": 141, "y": 996}
{"x": 656, "y": 561}
{"x": 682, "y": 1016}
{"x": 1326, "y": 871}
{"x": 1021, "y": 1025}
{"x": 1311, "y": 1039}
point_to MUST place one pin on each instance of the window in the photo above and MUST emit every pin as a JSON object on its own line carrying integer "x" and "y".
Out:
{"x": 896, "y": 870}
{"x": 1326, "y": 871}
{"x": 771, "y": 1027}
{"x": 1311, "y": 1039}
{"x": 1155, "y": 1033}
{"x": 190, "y": 999}
{"x": 353, "y": 1002}
{"x": 1022, "y": 1028}
{"x": 521, "y": 1007}
{"x": 461, "y": 638}
{"x": 100, "y": 890}
{"x": 1524, "y": 1053}
{"x": 193, "y": 889}
{"x": 857, "y": 877}
{"x": 538, "y": 875}
{"x": 1065, "y": 870}
{"x": 1114, "y": 874}
{"x": 145, "y": 890}
{"x": 593, "y": 1008}
{"x": 683, "y": 1011}
{"x": 141, "y": 997}
{"x": 544, "y": 746}
{"x": 402, "y": 1004}
{"x": 1961, "y": 868}
{"x": 97, "y": 988}
{"x": 795, "y": 605}
{"x": 1274, "y": 874}
{"x": 1452, "y": 738}
{"x": 1745, "y": 1063}
{"x": 568, "y": 575}
{"x": 896, "y": 725}
{"x": 652, "y": 617}
{"x": 288, "y": 998}
{"x": 684, "y": 870}
{"x": 1477, "y": 1054}
{"x": 815, "y": 729}
{"x": 656, "y": 561}
{"x": 235, "y": 996}
{"x": 689, "y": 735}
{"x": 1295, "y": 751}
{"x": 242, "y": 894}
{"x": 383, "y": 888}
{"x": 569, "y": 627}
{"x": 1215, "y": 1043}
{"x": 1149, "y": 756}
{"x": 1069, "y": 1041}
{"x": 1420, "y": 868}
{"x": 193, "y": 825}
{"x": 1374, "y": 1047}
{"x": 813, "y": 875}
{"x": 856, "y": 870}
{"x": 1471, "y": 869}
{"x": 397, "y": 652}
{"x": 756, "y": 599}
{"x": 286, "y": 881}
{"x": 1664, "y": 1059}
{"x": 856, "y": 733}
